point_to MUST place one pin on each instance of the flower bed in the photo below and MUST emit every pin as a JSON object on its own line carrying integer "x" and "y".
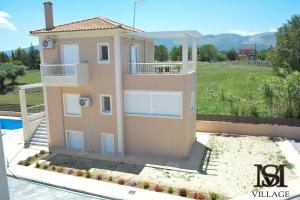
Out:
{"x": 184, "y": 192}
{"x": 33, "y": 159}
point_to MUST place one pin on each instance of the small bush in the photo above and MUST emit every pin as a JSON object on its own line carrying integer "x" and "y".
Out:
{"x": 198, "y": 195}
{"x": 182, "y": 192}
{"x": 27, "y": 163}
{"x": 87, "y": 174}
{"x": 213, "y": 196}
{"x": 70, "y": 171}
{"x": 42, "y": 152}
{"x": 36, "y": 155}
{"x": 53, "y": 167}
{"x": 45, "y": 166}
{"x": 29, "y": 159}
{"x": 158, "y": 188}
{"x": 99, "y": 177}
{"x": 79, "y": 173}
{"x": 121, "y": 181}
{"x": 133, "y": 183}
{"x": 110, "y": 178}
{"x": 60, "y": 169}
{"x": 21, "y": 162}
{"x": 146, "y": 185}
{"x": 37, "y": 165}
{"x": 170, "y": 190}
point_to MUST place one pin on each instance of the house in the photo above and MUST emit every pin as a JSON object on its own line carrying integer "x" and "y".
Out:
{"x": 105, "y": 94}
{"x": 249, "y": 52}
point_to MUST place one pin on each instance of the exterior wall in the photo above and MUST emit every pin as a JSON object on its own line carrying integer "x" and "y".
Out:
{"x": 249, "y": 129}
{"x": 102, "y": 81}
{"x": 165, "y": 136}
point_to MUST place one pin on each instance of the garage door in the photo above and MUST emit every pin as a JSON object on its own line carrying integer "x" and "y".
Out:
{"x": 107, "y": 144}
{"x": 75, "y": 140}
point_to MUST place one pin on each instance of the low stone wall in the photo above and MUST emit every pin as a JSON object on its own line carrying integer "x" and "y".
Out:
{"x": 290, "y": 132}
{"x": 10, "y": 114}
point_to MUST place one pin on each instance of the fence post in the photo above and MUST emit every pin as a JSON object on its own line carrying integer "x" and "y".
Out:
{"x": 23, "y": 105}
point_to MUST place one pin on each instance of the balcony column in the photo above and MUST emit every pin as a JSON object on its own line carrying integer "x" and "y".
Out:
{"x": 185, "y": 56}
{"x": 23, "y": 105}
{"x": 194, "y": 53}
{"x": 4, "y": 193}
{"x": 118, "y": 82}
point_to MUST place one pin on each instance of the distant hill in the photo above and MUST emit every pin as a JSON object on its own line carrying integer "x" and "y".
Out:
{"x": 26, "y": 49}
{"x": 220, "y": 41}
{"x": 228, "y": 41}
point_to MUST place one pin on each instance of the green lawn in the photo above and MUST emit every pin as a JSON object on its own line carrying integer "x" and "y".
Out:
{"x": 34, "y": 97}
{"x": 235, "y": 78}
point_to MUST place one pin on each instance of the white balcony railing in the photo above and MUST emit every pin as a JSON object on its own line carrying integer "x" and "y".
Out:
{"x": 65, "y": 74}
{"x": 157, "y": 68}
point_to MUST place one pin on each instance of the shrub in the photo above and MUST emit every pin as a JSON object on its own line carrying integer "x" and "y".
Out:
{"x": 110, "y": 178}
{"x": 198, "y": 195}
{"x": 158, "y": 188}
{"x": 182, "y": 192}
{"x": 60, "y": 169}
{"x": 21, "y": 162}
{"x": 37, "y": 165}
{"x": 36, "y": 155}
{"x": 53, "y": 167}
{"x": 79, "y": 173}
{"x": 29, "y": 159}
{"x": 170, "y": 190}
{"x": 121, "y": 181}
{"x": 70, "y": 171}
{"x": 45, "y": 166}
{"x": 42, "y": 152}
{"x": 213, "y": 196}
{"x": 99, "y": 177}
{"x": 87, "y": 174}
{"x": 133, "y": 183}
{"x": 146, "y": 185}
{"x": 27, "y": 163}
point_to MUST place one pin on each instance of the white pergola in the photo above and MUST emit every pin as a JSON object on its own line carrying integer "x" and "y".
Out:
{"x": 184, "y": 36}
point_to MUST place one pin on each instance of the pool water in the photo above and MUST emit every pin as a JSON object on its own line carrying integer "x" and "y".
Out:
{"x": 10, "y": 123}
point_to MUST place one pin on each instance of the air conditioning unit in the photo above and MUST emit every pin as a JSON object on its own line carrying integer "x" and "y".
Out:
{"x": 85, "y": 101}
{"x": 49, "y": 43}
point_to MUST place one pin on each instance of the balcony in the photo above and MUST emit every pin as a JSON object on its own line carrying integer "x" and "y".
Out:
{"x": 68, "y": 75}
{"x": 159, "y": 68}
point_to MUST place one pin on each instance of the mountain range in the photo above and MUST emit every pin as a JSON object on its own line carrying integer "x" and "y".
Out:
{"x": 222, "y": 42}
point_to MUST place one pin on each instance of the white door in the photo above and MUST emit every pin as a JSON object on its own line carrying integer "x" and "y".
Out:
{"x": 107, "y": 144}
{"x": 133, "y": 59}
{"x": 70, "y": 55}
{"x": 75, "y": 141}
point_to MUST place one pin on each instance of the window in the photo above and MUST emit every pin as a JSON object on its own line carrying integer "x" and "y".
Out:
{"x": 71, "y": 104}
{"x": 105, "y": 102}
{"x": 192, "y": 101}
{"x": 103, "y": 53}
{"x": 155, "y": 103}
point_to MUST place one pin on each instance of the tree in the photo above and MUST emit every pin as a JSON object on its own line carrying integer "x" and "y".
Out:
{"x": 12, "y": 55}
{"x": 221, "y": 57}
{"x": 176, "y": 54}
{"x": 4, "y": 57}
{"x": 261, "y": 55}
{"x": 287, "y": 51}
{"x": 161, "y": 53}
{"x": 32, "y": 58}
{"x": 208, "y": 53}
{"x": 231, "y": 54}
{"x": 13, "y": 71}
{"x": 20, "y": 55}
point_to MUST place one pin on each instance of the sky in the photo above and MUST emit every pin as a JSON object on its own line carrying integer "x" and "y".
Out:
{"x": 244, "y": 17}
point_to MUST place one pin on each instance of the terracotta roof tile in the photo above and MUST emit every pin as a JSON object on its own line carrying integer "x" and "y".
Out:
{"x": 96, "y": 23}
{"x": 248, "y": 47}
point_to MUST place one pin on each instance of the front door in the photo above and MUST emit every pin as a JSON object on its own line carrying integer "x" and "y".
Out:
{"x": 107, "y": 144}
{"x": 70, "y": 55}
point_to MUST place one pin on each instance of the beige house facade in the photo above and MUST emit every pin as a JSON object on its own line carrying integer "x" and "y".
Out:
{"x": 105, "y": 93}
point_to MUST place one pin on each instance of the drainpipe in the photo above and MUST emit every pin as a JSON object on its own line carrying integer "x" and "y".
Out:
{"x": 4, "y": 192}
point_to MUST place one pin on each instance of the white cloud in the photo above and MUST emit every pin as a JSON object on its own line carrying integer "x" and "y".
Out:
{"x": 242, "y": 32}
{"x": 273, "y": 30}
{"x": 5, "y": 23}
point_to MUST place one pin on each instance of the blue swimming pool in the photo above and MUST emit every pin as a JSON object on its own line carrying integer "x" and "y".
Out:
{"x": 10, "y": 123}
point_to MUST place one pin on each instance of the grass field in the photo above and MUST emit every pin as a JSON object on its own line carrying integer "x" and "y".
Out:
{"x": 236, "y": 78}
{"x": 34, "y": 97}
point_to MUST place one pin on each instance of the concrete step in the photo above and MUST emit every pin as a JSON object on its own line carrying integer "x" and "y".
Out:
{"x": 41, "y": 129}
{"x": 40, "y": 140}
{"x": 40, "y": 136}
{"x": 43, "y": 125}
{"x": 41, "y": 132}
{"x": 38, "y": 143}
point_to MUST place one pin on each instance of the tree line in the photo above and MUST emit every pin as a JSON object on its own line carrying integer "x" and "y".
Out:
{"x": 16, "y": 64}
{"x": 206, "y": 53}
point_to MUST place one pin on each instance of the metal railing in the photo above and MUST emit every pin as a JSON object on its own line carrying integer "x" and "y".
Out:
{"x": 156, "y": 68}
{"x": 59, "y": 70}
